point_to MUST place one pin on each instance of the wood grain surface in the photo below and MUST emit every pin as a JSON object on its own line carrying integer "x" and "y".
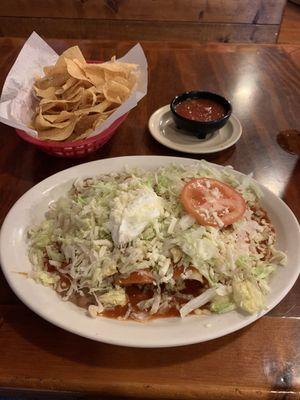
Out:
{"x": 218, "y": 20}
{"x": 290, "y": 24}
{"x": 260, "y": 361}
{"x": 138, "y": 30}
{"x": 226, "y": 11}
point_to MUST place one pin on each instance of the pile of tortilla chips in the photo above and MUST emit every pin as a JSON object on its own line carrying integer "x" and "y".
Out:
{"x": 75, "y": 97}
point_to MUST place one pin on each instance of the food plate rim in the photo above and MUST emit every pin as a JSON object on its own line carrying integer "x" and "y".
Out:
{"x": 71, "y": 174}
{"x": 156, "y": 134}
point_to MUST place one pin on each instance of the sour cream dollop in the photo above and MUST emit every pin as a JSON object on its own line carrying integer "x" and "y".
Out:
{"x": 131, "y": 212}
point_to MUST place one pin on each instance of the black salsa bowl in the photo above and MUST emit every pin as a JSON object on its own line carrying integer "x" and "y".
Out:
{"x": 200, "y": 128}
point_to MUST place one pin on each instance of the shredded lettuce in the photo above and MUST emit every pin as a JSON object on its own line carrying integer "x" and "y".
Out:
{"x": 222, "y": 304}
{"x": 75, "y": 239}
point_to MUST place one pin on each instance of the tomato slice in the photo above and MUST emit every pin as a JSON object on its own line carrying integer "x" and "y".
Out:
{"x": 211, "y": 202}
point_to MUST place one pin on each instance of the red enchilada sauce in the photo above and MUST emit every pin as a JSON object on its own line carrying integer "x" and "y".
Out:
{"x": 137, "y": 293}
{"x": 203, "y": 110}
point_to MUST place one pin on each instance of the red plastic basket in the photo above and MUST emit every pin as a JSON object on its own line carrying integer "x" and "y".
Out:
{"x": 76, "y": 149}
{"x": 79, "y": 148}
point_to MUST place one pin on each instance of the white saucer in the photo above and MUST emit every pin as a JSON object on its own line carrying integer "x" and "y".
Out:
{"x": 164, "y": 130}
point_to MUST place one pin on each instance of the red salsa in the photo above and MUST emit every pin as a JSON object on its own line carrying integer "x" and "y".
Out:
{"x": 203, "y": 110}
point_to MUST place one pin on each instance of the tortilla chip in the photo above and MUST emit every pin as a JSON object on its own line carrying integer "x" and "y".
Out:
{"x": 85, "y": 123}
{"x": 58, "y": 134}
{"x": 76, "y": 97}
{"x": 88, "y": 98}
{"x": 62, "y": 116}
{"x": 41, "y": 123}
{"x": 95, "y": 74}
{"x": 115, "y": 92}
{"x": 128, "y": 82}
{"x": 70, "y": 83}
{"x": 73, "y": 91}
{"x": 99, "y": 108}
{"x": 52, "y": 107}
{"x": 100, "y": 98}
{"x": 55, "y": 70}
{"x": 108, "y": 112}
{"x": 72, "y": 53}
{"x": 45, "y": 93}
{"x": 56, "y": 80}
{"x": 56, "y": 106}
{"x": 118, "y": 67}
{"x": 76, "y": 70}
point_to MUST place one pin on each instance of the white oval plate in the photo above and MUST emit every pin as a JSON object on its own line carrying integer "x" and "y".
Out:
{"x": 162, "y": 127}
{"x": 30, "y": 208}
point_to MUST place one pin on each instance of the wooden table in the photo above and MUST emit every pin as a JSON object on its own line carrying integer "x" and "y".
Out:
{"x": 260, "y": 361}
{"x": 226, "y": 21}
